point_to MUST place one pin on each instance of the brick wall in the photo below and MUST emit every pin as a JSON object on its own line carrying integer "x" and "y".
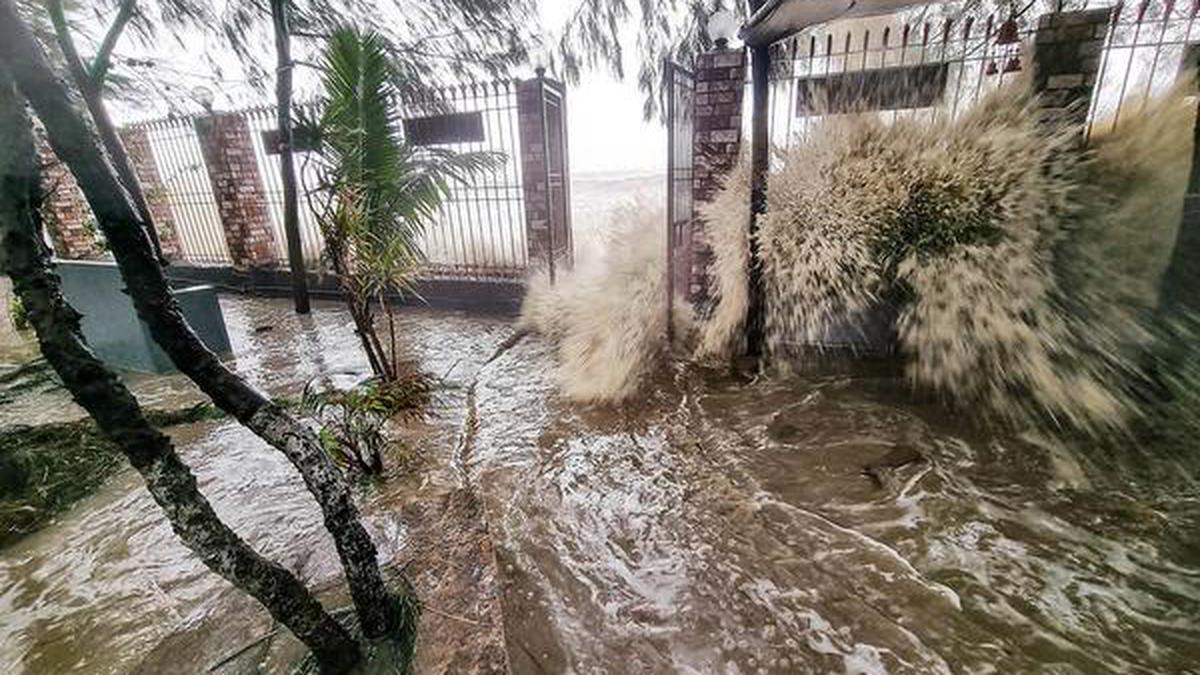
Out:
{"x": 1066, "y": 59}
{"x": 717, "y": 138}
{"x": 137, "y": 145}
{"x": 228, "y": 151}
{"x": 66, "y": 212}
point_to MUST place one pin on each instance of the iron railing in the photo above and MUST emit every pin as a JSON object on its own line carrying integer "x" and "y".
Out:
{"x": 187, "y": 190}
{"x": 680, "y": 92}
{"x": 479, "y": 230}
{"x": 1148, "y": 48}
{"x": 965, "y": 50}
{"x": 1145, "y": 49}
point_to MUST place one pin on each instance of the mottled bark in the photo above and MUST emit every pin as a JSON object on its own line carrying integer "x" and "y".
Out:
{"x": 75, "y": 144}
{"x": 24, "y": 258}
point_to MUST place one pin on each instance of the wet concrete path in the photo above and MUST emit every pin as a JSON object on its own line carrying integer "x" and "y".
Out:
{"x": 712, "y": 526}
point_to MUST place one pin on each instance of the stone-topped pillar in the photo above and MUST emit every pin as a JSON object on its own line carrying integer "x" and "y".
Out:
{"x": 1066, "y": 59}
{"x": 716, "y": 144}
{"x": 228, "y": 151}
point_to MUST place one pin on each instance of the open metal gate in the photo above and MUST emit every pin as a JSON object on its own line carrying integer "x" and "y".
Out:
{"x": 679, "y": 91}
{"x": 558, "y": 184}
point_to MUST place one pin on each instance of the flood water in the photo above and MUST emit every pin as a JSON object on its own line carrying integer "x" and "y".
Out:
{"x": 716, "y": 525}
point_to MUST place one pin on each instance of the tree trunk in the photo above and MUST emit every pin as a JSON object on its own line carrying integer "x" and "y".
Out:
{"x": 92, "y": 90}
{"x": 360, "y": 311}
{"x": 24, "y": 259}
{"x": 287, "y": 164}
{"x": 74, "y": 143}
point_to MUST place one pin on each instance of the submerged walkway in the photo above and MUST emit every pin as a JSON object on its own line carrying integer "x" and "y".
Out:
{"x": 712, "y": 526}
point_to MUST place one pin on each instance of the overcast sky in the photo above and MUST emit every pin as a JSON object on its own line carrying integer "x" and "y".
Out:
{"x": 606, "y": 130}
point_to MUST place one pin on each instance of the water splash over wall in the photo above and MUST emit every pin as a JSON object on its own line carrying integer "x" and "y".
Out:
{"x": 608, "y": 319}
{"x": 1023, "y": 268}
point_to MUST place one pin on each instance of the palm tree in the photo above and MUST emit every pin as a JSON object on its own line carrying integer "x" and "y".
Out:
{"x": 377, "y": 192}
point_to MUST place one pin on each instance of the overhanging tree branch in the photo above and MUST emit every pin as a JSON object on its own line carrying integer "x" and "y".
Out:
{"x": 74, "y": 143}
{"x": 23, "y": 257}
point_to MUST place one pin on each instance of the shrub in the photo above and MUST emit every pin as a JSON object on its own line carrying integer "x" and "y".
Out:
{"x": 352, "y": 423}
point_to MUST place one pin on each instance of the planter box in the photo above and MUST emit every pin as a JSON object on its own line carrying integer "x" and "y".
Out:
{"x": 111, "y": 325}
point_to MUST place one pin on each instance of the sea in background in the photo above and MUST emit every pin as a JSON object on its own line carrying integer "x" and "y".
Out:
{"x": 595, "y": 198}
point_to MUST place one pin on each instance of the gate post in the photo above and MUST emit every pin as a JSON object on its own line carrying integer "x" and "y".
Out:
{"x": 716, "y": 143}
{"x": 238, "y": 189}
{"x": 1066, "y": 60}
{"x": 542, "y": 129}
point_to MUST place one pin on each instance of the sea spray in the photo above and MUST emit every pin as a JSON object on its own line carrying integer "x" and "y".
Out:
{"x": 607, "y": 319}
{"x": 724, "y": 221}
{"x": 1021, "y": 265}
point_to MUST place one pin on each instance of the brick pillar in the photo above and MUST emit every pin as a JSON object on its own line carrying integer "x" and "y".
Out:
{"x": 238, "y": 189}
{"x": 716, "y": 143}
{"x": 68, "y": 219}
{"x": 1066, "y": 59}
{"x": 137, "y": 145}
{"x": 531, "y": 128}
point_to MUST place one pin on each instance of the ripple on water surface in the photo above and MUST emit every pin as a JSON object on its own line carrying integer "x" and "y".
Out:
{"x": 712, "y": 526}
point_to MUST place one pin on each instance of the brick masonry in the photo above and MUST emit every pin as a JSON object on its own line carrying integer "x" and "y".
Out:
{"x": 532, "y": 136}
{"x": 716, "y": 144}
{"x": 1066, "y": 59}
{"x": 137, "y": 145}
{"x": 65, "y": 212}
{"x": 228, "y": 151}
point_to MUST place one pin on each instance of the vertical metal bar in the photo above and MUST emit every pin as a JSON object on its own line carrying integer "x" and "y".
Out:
{"x": 1098, "y": 86}
{"x": 541, "y": 77}
{"x": 1158, "y": 47}
{"x": 669, "y": 71}
{"x": 759, "y": 158}
{"x": 564, "y": 161}
{"x": 1137, "y": 31}
{"x": 515, "y": 174}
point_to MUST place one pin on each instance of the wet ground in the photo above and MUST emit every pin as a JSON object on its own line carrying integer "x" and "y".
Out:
{"x": 717, "y": 525}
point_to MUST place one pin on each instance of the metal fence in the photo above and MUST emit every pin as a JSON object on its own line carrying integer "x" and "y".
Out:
{"x": 1145, "y": 50}
{"x": 312, "y": 244}
{"x": 680, "y": 102}
{"x": 481, "y": 227}
{"x": 956, "y": 61}
{"x": 187, "y": 190}
{"x": 479, "y": 230}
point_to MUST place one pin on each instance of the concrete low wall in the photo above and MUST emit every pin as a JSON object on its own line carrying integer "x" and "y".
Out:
{"x": 492, "y": 296}
{"x": 111, "y": 325}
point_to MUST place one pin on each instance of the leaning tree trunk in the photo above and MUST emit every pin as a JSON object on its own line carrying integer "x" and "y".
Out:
{"x": 23, "y": 257}
{"x": 93, "y": 96}
{"x": 74, "y": 143}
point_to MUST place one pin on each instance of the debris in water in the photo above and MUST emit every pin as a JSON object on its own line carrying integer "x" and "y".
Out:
{"x": 880, "y": 471}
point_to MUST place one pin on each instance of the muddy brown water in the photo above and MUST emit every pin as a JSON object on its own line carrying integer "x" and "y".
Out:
{"x": 714, "y": 526}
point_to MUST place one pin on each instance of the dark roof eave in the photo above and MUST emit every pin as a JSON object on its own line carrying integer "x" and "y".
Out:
{"x": 780, "y": 19}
